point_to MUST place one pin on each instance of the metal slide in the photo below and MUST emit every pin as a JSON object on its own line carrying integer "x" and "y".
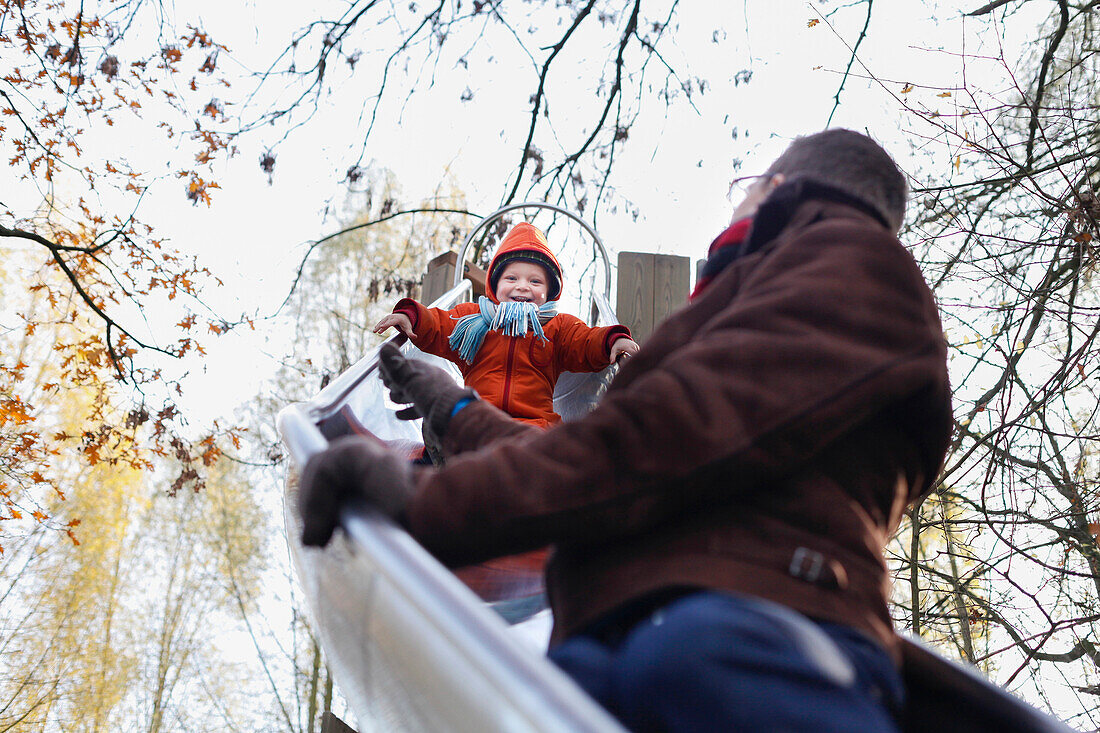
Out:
{"x": 411, "y": 647}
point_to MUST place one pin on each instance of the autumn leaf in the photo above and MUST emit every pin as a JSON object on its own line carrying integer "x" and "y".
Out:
{"x": 944, "y": 94}
{"x": 907, "y": 88}
{"x": 812, "y": 23}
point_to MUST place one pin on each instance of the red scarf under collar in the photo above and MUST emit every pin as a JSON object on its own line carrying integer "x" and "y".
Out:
{"x": 733, "y": 236}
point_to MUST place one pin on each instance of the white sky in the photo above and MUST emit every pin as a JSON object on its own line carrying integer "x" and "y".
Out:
{"x": 675, "y": 168}
{"x": 675, "y": 171}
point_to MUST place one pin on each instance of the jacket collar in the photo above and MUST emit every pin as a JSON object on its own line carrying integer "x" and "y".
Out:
{"x": 777, "y": 211}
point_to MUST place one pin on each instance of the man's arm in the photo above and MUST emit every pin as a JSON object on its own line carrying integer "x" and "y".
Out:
{"x": 479, "y": 424}
{"x": 831, "y": 328}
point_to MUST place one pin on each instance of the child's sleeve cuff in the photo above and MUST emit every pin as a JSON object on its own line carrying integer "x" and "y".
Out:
{"x": 614, "y": 333}
{"x": 408, "y": 307}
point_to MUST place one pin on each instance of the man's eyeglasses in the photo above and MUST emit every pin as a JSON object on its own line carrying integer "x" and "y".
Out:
{"x": 739, "y": 187}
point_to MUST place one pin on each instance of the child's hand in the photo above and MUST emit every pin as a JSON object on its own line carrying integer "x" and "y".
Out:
{"x": 400, "y": 321}
{"x": 623, "y": 348}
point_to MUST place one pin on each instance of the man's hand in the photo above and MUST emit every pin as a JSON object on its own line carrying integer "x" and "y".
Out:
{"x": 400, "y": 321}
{"x": 432, "y": 391}
{"x": 352, "y": 467}
{"x": 623, "y": 348}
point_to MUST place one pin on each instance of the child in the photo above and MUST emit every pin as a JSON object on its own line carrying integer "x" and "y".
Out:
{"x": 512, "y": 346}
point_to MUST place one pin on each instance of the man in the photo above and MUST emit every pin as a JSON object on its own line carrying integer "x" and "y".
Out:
{"x": 719, "y": 519}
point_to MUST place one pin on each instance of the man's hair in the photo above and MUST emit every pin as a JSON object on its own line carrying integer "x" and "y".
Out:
{"x": 851, "y": 162}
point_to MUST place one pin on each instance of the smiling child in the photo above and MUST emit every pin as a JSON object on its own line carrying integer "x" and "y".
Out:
{"x": 512, "y": 345}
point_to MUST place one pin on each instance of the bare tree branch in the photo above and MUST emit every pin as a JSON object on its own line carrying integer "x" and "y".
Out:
{"x": 851, "y": 60}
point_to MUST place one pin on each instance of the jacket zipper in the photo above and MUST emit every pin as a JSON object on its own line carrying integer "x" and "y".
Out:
{"x": 508, "y": 374}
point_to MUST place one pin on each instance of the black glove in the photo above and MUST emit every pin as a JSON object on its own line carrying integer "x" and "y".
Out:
{"x": 352, "y": 467}
{"x": 432, "y": 391}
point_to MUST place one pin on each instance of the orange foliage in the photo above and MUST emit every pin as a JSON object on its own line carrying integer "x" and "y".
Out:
{"x": 67, "y": 73}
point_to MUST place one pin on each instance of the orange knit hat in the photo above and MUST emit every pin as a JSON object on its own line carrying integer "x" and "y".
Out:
{"x": 525, "y": 243}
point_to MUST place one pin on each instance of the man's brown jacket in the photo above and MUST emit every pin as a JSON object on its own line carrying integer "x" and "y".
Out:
{"x": 767, "y": 439}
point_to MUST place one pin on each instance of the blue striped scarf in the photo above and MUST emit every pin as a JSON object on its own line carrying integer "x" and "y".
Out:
{"x": 510, "y": 318}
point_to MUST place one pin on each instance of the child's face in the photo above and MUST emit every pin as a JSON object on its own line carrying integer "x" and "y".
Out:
{"x": 523, "y": 282}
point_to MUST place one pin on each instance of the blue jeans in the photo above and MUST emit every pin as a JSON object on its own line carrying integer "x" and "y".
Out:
{"x": 709, "y": 661}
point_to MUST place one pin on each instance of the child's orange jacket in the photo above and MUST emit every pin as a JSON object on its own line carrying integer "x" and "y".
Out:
{"x": 516, "y": 373}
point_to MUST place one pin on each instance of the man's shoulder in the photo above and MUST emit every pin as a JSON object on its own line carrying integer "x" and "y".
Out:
{"x": 845, "y": 233}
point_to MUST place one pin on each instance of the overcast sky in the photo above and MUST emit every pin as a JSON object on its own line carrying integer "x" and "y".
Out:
{"x": 675, "y": 170}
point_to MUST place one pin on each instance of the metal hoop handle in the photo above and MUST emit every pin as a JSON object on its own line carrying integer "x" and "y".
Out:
{"x": 460, "y": 269}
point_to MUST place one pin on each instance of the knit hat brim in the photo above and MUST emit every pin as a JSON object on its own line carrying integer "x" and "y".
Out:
{"x": 525, "y": 243}
{"x": 534, "y": 257}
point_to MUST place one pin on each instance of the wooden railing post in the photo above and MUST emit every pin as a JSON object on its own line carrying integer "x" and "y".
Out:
{"x": 440, "y": 274}
{"x": 650, "y": 287}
